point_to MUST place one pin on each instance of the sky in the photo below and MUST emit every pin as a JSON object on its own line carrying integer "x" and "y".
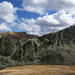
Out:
{"x": 38, "y": 17}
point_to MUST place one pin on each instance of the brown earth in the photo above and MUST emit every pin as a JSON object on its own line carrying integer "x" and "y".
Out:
{"x": 17, "y": 35}
{"x": 39, "y": 70}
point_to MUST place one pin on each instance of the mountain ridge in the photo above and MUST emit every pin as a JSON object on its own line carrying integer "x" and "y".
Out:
{"x": 22, "y": 35}
{"x": 17, "y": 35}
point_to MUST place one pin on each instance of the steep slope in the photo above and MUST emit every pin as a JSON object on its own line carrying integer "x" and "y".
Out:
{"x": 64, "y": 36}
{"x": 53, "y": 48}
{"x": 59, "y": 47}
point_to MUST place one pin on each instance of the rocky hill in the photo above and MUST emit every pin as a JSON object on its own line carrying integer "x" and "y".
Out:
{"x": 66, "y": 36}
{"x": 17, "y": 35}
{"x": 53, "y": 48}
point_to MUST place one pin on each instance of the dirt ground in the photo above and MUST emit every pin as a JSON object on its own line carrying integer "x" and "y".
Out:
{"x": 39, "y": 70}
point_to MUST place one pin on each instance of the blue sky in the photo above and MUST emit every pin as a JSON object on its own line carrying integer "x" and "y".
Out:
{"x": 37, "y": 17}
{"x": 22, "y": 14}
{"x": 25, "y": 14}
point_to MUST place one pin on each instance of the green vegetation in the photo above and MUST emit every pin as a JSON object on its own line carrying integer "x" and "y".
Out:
{"x": 54, "y": 48}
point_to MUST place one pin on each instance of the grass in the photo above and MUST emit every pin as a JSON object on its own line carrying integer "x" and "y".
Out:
{"x": 39, "y": 70}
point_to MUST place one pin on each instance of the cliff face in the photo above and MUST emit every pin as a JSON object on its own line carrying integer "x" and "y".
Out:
{"x": 54, "y": 48}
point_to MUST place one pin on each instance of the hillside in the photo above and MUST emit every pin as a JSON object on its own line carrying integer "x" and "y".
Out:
{"x": 17, "y": 35}
{"x": 53, "y": 48}
{"x": 66, "y": 34}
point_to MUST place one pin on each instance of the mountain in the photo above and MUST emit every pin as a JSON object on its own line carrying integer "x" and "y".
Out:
{"x": 64, "y": 36}
{"x": 17, "y": 35}
{"x": 59, "y": 46}
{"x": 53, "y": 48}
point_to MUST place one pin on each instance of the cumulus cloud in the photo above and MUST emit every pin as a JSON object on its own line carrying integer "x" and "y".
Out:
{"x": 47, "y": 20}
{"x": 7, "y": 12}
{"x": 64, "y": 17}
{"x": 60, "y": 20}
{"x": 41, "y": 6}
{"x": 29, "y": 26}
{"x": 4, "y": 27}
{"x": 48, "y": 23}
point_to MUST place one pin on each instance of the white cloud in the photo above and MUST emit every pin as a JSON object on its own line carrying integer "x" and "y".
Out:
{"x": 4, "y": 27}
{"x": 41, "y": 6}
{"x": 46, "y": 24}
{"x": 41, "y": 25}
{"x": 47, "y": 20}
{"x": 29, "y": 26}
{"x": 65, "y": 17}
{"x": 7, "y": 12}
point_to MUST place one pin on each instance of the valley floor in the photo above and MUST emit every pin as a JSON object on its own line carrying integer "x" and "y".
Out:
{"x": 39, "y": 70}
